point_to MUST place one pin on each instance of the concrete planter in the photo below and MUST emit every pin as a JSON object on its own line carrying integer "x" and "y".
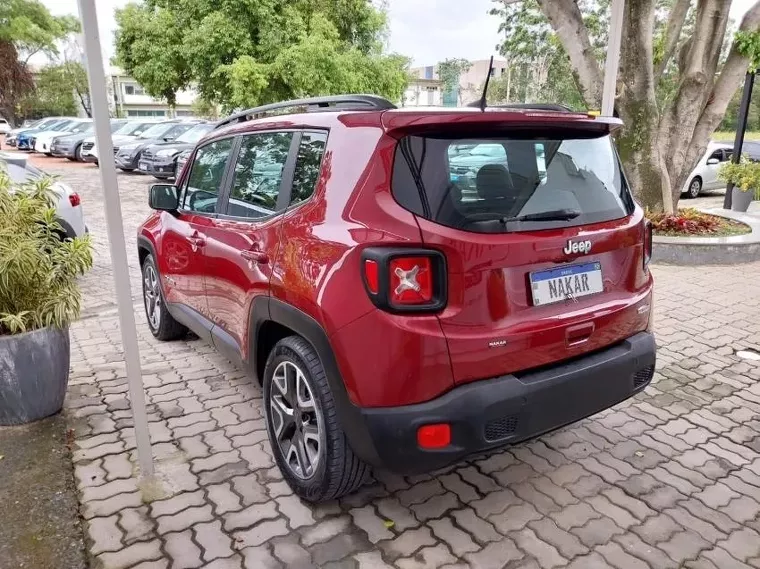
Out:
{"x": 34, "y": 373}
{"x": 740, "y": 200}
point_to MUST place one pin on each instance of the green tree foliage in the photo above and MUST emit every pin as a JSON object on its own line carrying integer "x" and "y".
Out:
{"x": 449, "y": 71}
{"x": 242, "y": 53}
{"x": 38, "y": 270}
{"x": 26, "y": 27}
{"x": 60, "y": 89}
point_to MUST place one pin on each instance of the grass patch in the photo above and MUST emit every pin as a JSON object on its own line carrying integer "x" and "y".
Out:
{"x": 729, "y": 136}
{"x": 689, "y": 222}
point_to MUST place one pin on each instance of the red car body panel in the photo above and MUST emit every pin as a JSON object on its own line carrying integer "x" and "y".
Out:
{"x": 313, "y": 263}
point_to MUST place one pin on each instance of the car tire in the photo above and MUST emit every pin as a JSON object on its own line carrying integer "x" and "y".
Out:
{"x": 127, "y": 169}
{"x": 78, "y": 153}
{"x": 162, "y": 325}
{"x": 332, "y": 469}
{"x": 695, "y": 188}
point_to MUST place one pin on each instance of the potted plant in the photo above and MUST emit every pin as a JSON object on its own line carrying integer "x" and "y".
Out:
{"x": 39, "y": 297}
{"x": 745, "y": 176}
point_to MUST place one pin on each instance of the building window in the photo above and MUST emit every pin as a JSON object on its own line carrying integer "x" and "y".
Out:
{"x": 183, "y": 113}
{"x": 143, "y": 113}
{"x": 133, "y": 89}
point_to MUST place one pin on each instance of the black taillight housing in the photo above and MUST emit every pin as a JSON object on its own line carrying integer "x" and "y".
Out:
{"x": 404, "y": 280}
{"x": 647, "y": 243}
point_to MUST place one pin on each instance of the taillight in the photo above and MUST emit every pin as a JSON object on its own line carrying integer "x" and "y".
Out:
{"x": 405, "y": 280}
{"x": 647, "y": 243}
{"x": 74, "y": 199}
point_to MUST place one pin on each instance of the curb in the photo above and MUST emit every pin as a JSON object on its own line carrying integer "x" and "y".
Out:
{"x": 728, "y": 250}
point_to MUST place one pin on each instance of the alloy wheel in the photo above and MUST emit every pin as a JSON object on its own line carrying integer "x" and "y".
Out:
{"x": 695, "y": 188}
{"x": 296, "y": 420}
{"x": 152, "y": 295}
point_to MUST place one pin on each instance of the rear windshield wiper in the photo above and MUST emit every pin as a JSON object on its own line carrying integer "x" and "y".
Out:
{"x": 552, "y": 215}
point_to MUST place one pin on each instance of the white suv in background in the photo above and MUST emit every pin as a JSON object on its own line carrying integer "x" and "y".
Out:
{"x": 69, "y": 207}
{"x": 705, "y": 175}
{"x": 5, "y": 128}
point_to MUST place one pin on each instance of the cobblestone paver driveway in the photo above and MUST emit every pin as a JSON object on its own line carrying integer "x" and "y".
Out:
{"x": 669, "y": 479}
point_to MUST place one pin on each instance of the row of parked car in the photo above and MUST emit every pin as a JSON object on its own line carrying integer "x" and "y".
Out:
{"x": 152, "y": 146}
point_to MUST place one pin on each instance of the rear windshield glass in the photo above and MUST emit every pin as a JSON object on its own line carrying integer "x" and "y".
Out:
{"x": 500, "y": 185}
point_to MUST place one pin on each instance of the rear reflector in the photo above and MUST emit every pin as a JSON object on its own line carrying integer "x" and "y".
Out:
{"x": 434, "y": 436}
{"x": 647, "y": 243}
{"x": 74, "y": 200}
{"x": 370, "y": 275}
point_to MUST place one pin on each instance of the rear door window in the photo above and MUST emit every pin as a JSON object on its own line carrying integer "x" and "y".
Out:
{"x": 206, "y": 175}
{"x": 500, "y": 185}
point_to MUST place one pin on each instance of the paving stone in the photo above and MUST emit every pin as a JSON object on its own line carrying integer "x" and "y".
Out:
{"x": 224, "y": 499}
{"x": 616, "y": 556}
{"x": 251, "y": 490}
{"x": 324, "y": 530}
{"x": 742, "y": 544}
{"x": 118, "y": 466}
{"x": 591, "y": 561}
{"x": 408, "y": 542}
{"x": 707, "y": 530}
{"x": 105, "y": 534}
{"x": 185, "y": 554}
{"x": 435, "y": 506}
{"x": 109, "y": 506}
{"x": 227, "y": 563}
{"x": 367, "y": 519}
{"x": 401, "y": 517}
{"x": 495, "y": 555}
{"x": 514, "y": 518}
{"x": 527, "y": 492}
{"x": 484, "y": 484}
{"x": 419, "y": 493}
{"x": 214, "y": 542}
{"x": 184, "y": 519}
{"x": 545, "y": 553}
{"x": 597, "y": 532}
{"x": 565, "y": 542}
{"x": 295, "y": 511}
{"x": 136, "y": 524}
{"x": 494, "y": 503}
{"x": 575, "y": 515}
{"x": 722, "y": 558}
{"x": 132, "y": 555}
{"x": 465, "y": 492}
{"x": 371, "y": 560}
{"x": 657, "y": 529}
{"x": 260, "y": 533}
{"x": 636, "y": 507}
{"x": 250, "y": 516}
{"x": 654, "y": 557}
{"x": 684, "y": 545}
{"x": 177, "y": 503}
{"x": 427, "y": 558}
{"x": 259, "y": 558}
{"x": 337, "y": 548}
{"x": 481, "y": 530}
{"x": 459, "y": 541}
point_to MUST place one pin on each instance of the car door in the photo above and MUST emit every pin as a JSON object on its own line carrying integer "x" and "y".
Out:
{"x": 711, "y": 181}
{"x": 242, "y": 241}
{"x": 183, "y": 243}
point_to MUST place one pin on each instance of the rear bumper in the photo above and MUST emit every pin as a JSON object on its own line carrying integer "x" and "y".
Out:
{"x": 490, "y": 413}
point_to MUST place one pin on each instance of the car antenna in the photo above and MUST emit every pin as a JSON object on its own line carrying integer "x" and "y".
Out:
{"x": 485, "y": 86}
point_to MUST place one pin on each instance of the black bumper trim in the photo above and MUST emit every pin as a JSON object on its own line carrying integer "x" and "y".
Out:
{"x": 509, "y": 408}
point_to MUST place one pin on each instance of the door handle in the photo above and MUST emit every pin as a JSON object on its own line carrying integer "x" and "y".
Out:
{"x": 255, "y": 256}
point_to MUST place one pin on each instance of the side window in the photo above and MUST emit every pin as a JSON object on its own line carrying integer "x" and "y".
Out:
{"x": 308, "y": 164}
{"x": 726, "y": 155}
{"x": 718, "y": 154}
{"x": 205, "y": 179}
{"x": 258, "y": 173}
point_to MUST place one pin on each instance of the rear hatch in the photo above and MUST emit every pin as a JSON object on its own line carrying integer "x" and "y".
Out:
{"x": 543, "y": 243}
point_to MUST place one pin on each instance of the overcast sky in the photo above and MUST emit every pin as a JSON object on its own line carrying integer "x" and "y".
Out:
{"x": 426, "y": 30}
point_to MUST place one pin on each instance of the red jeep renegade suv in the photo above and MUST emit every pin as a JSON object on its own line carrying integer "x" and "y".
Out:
{"x": 409, "y": 285}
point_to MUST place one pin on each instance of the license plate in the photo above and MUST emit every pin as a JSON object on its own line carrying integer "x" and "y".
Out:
{"x": 566, "y": 283}
{"x": 142, "y": 166}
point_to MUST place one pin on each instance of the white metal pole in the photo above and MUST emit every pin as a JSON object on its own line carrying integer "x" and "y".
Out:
{"x": 99, "y": 101}
{"x": 613, "y": 57}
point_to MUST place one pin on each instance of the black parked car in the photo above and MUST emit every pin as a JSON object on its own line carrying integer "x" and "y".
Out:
{"x": 70, "y": 145}
{"x": 128, "y": 156}
{"x": 161, "y": 159}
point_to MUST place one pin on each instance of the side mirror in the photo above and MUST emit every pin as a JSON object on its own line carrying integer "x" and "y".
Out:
{"x": 163, "y": 197}
{"x": 712, "y": 161}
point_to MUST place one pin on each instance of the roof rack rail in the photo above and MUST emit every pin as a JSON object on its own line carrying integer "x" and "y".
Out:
{"x": 342, "y": 102}
{"x": 532, "y": 106}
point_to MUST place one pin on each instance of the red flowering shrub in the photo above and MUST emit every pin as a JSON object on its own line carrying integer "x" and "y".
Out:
{"x": 687, "y": 221}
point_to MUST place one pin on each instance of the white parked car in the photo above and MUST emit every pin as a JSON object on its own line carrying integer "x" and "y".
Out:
{"x": 124, "y": 135}
{"x": 5, "y": 128}
{"x": 69, "y": 207}
{"x": 705, "y": 175}
{"x": 43, "y": 140}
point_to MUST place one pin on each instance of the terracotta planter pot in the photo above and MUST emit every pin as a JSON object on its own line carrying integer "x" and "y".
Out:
{"x": 34, "y": 374}
{"x": 740, "y": 200}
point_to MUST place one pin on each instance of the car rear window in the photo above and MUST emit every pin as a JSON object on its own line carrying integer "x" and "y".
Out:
{"x": 505, "y": 184}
